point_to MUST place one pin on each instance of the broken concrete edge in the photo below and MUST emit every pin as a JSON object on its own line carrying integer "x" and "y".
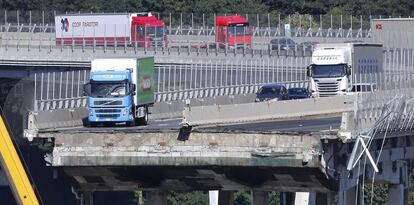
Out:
{"x": 208, "y": 148}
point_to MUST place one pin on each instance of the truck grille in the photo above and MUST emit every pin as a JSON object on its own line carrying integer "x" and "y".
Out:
{"x": 327, "y": 89}
{"x": 107, "y": 115}
{"x": 108, "y": 111}
{"x": 108, "y": 102}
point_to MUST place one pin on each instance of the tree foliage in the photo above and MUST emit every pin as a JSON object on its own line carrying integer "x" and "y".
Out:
{"x": 284, "y": 7}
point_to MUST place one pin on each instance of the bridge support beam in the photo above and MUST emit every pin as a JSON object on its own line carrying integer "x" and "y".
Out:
{"x": 88, "y": 198}
{"x": 305, "y": 198}
{"x": 260, "y": 197}
{"x": 287, "y": 198}
{"x": 397, "y": 194}
{"x": 348, "y": 197}
{"x": 156, "y": 198}
{"x": 226, "y": 198}
{"x": 213, "y": 197}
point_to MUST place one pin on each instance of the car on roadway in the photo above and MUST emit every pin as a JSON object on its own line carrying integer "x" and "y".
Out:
{"x": 283, "y": 44}
{"x": 298, "y": 93}
{"x": 272, "y": 92}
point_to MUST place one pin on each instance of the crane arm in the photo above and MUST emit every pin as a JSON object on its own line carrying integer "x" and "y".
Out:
{"x": 12, "y": 165}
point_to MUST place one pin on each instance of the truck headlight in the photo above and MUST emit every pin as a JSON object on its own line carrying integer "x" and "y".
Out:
{"x": 125, "y": 112}
{"x": 90, "y": 112}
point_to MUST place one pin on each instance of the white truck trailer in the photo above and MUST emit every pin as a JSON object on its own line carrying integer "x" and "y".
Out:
{"x": 336, "y": 67}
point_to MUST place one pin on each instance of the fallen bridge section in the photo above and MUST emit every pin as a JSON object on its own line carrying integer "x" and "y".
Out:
{"x": 197, "y": 160}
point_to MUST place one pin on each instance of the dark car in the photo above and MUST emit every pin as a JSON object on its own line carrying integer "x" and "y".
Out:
{"x": 274, "y": 92}
{"x": 308, "y": 45}
{"x": 298, "y": 93}
{"x": 283, "y": 44}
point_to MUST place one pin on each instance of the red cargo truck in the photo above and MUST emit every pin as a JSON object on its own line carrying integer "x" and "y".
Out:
{"x": 233, "y": 31}
{"x": 133, "y": 29}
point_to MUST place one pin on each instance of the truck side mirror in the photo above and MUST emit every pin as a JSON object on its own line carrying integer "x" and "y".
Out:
{"x": 132, "y": 89}
{"x": 348, "y": 70}
{"x": 87, "y": 89}
{"x": 308, "y": 71}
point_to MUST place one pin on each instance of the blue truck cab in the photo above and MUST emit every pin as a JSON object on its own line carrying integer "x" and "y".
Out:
{"x": 110, "y": 97}
{"x": 120, "y": 90}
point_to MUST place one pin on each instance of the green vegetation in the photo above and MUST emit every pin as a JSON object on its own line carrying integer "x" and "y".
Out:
{"x": 284, "y": 7}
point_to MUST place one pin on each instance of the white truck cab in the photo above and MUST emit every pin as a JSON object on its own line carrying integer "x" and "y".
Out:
{"x": 330, "y": 72}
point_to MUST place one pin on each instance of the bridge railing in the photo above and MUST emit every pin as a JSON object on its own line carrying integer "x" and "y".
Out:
{"x": 263, "y": 24}
{"x": 46, "y": 41}
{"x": 389, "y": 107}
{"x": 191, "y": 79}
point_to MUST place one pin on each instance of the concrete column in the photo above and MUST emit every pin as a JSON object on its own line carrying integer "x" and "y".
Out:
{"x": 333, "y": 198}
{"x": 397, "y": 194}
{"x": 350, "y": 196}
{"x": 156, "y": 198}
{"x": 226, "y": 198}
{"x": 213, "y": 197}
{"x": 88, "y": 198}
{"x": 305, "y": 198}
{"x": 260, "y": 197}
{"x": 3, "y": 179}
{"x": 287, "y": 198}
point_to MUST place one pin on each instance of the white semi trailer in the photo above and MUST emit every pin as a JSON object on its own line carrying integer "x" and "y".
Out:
{"x": 336, "y": 67}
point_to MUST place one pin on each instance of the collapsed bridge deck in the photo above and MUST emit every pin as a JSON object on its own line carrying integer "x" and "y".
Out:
{"x": 171, "y": 158}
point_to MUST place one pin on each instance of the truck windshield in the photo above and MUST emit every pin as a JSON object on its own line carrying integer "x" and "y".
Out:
{"x": 238, "y": 29}
{"x": 108, "y": 89}
{"x": 326, "y": 71}
{"x": 153, "y": 31}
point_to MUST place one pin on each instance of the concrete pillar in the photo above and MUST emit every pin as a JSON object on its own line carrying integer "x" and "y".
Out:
{"x": 305, "y": 198}
{"x": 350, "y": 196}
{"x": 260, "y": 197}
{"x": 333, "y": 198}
{"x": 397, "y": 194}
{"x": 3, "y": 179}
{"x": 287, "y": 198}
{"x": 156, "y": 198}
{"x": 226, "y": 198}
{"x": 213, "y": 197}
{"x": 88, "y": 198}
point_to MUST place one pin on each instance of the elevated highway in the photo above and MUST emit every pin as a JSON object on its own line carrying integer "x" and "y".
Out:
{"x": 303, "y": 153}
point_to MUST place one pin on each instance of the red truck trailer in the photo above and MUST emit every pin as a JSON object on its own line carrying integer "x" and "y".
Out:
{"x": 134, "y": 29}
{"x": 234, "y": 31}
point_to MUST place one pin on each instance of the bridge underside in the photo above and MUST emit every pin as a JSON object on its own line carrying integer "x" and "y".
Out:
{"x": 176, "y": 160}
{"x": 186, "y": 178}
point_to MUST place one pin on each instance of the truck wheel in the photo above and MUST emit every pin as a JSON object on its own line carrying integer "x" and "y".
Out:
{"x": 93, "y": 124}
{"x": 142, "y": 120}
{"x": 130, "y": 124}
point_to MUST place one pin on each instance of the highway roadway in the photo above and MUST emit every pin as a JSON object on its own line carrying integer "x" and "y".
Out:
{"x": 308, "y": 124}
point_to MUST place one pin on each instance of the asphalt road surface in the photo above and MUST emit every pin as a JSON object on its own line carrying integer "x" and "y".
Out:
{"x": 309, "y": 124}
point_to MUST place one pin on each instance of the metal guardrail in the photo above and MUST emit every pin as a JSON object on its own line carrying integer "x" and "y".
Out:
{"x": 389, "y": 108}
{"x": 202, "y": 31}
{"x": 37, "y": 43}
{"x": 191, "y": 79}
{"x": 264, "y": 25}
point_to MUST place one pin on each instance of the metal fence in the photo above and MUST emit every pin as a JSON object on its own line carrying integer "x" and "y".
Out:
{"x": 37, "y": 42}
{"x": 268, "y": 24}
{"x": 193, "y": 79}
{"x": 389, "y": 107}
{"x": 208, "y": 78}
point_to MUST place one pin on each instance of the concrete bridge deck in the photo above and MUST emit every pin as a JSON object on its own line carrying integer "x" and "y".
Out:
{"x": 173, "y": 159}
